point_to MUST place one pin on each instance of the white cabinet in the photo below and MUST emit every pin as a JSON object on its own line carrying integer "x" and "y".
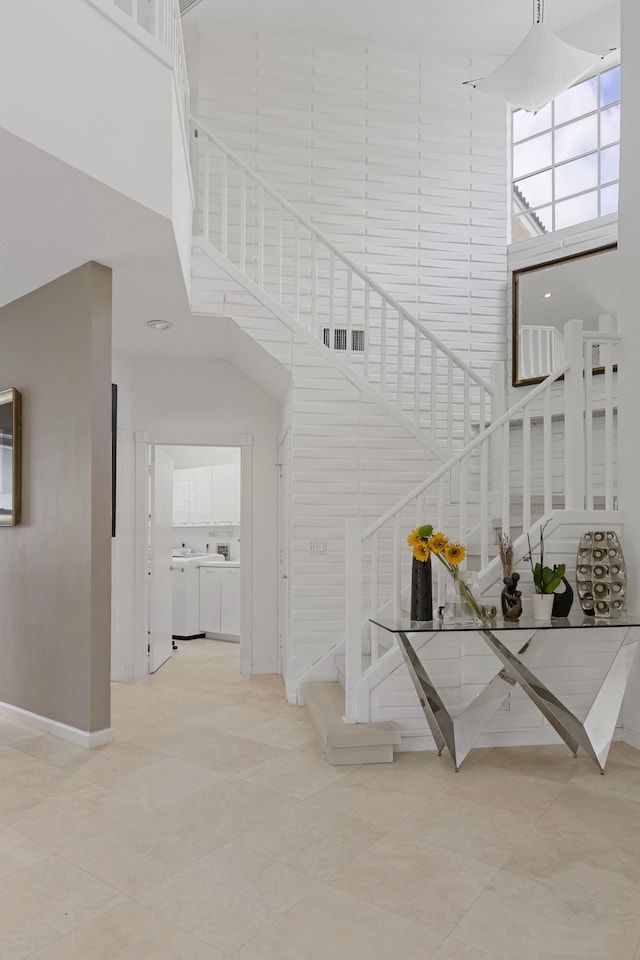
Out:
{"x": 200, "y": 496}
{"x": 210, "y": 599}
{"x": 225, "y": 500}
{"x": 180, "y": 498}
{"x": 186, "y": 598}
{"x": 220, "y": 600}
{"x": 230, "y": 601}
{"x": 203, "y": 496}
{"x": 192, "y": 496}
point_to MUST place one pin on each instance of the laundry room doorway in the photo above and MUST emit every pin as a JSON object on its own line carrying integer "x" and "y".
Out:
{"x": 193, "y": 544}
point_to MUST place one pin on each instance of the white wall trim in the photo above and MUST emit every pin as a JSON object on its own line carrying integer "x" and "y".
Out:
{"x": 143, "y": 441}
{"x": 80, "y": 738}
{"x": 632, "y": 737}
{"x": 262, "y": 668}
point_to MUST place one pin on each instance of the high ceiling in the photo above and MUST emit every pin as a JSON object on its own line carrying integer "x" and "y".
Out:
{"x": 478, "y": 26}
{"x": 47, "y": 231}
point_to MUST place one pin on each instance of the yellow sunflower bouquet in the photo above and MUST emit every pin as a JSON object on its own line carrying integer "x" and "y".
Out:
{"x": 425, "y": 543}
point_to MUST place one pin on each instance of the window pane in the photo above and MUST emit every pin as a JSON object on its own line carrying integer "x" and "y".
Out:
{"x": 610, "y": 164}
{"x": 609, "y": 86}
{"x": 576, "y": 138}
{"x": 576, "y": 176}
{"x": 535, "y": 190}
{"x": 566, "y": 158}
{"x": 609, "y": 200}
{"x": 576, "y": 210}
{"x": 527, "y": 124}
{"x": 532, "y": 155}
{"x": 610, "y": 125}
{"x": 527, "y": 225}
{"x": 576, "y": 101}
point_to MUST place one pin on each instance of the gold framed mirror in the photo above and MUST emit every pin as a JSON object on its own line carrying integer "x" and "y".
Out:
{"x": 546, "y": 296}
{"x": 10, "y": 423}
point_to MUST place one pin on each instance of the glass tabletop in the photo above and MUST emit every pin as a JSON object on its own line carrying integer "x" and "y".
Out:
{"x": 576, "y": 620}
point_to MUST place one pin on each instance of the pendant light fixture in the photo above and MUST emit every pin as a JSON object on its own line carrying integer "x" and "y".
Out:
{"x": 541, "y": 68}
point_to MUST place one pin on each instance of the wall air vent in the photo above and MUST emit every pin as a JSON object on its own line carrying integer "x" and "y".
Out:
{"x": 186, "y": 5}
{"x": 340, "y": 339}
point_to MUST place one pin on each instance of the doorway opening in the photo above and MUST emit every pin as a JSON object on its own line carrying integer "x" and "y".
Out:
{"x": 197, "y": 506}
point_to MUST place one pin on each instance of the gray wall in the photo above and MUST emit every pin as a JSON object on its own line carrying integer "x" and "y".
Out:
{"x": 55, "y": 575}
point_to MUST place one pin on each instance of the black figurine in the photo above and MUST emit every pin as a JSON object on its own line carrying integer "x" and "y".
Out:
{"x": 511, "y": 598}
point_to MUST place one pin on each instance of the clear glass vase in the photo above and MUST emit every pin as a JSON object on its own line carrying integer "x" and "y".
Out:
{"x": 460, "y": 605}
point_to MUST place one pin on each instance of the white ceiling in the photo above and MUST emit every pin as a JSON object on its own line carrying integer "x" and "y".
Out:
{"x": 56, "y": 218}
{"x": 478, "y": 26}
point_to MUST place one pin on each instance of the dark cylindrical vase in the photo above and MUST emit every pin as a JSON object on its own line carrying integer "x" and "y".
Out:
{"x": 421, "y": 592}
{"x": 562, "y": 602}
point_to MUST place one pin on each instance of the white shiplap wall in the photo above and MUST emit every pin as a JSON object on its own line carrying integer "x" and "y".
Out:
{"x": 405, "y": 170}
{"x": 392, "y": 157}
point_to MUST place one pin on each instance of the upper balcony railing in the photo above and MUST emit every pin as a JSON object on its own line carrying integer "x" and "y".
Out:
{"x": 160, "y": 20}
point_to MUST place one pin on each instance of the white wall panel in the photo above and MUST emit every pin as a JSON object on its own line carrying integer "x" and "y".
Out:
{"x": 392, "y": 157}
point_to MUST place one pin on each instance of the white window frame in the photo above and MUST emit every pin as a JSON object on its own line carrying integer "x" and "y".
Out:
{"x": 611, "y": 62}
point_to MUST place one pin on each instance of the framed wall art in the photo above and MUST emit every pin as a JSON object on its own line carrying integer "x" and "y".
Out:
{"x": 10, "y": 424}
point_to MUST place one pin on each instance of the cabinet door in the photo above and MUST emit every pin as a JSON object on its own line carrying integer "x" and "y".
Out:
{"x": 180, "y": 498}
{"x": 200, "y": 495}
{"x": 226, "y": 493}
{"x": 230, "y": 601}
{"x": 210, "y": 599}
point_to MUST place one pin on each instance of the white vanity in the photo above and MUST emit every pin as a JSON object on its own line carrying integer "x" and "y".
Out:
{"x": 206, "y": 597}
{"x": 220, "y": 599}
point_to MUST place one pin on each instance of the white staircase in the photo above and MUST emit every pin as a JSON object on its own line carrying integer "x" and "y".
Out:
{"x": 378, "y": 404}
{"x": 295, "y": 271}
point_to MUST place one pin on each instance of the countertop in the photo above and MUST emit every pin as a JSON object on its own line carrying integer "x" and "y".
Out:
{"x": 203, "y": 562}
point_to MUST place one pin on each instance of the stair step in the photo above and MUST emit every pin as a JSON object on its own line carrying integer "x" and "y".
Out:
{"x": 346, "y": 742}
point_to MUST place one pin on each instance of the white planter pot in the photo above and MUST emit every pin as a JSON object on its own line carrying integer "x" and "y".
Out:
{"x": 541, "y": 606}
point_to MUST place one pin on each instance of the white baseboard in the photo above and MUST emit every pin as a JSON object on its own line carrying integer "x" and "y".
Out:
{"x": 80, "y": 738}
{"x": 141, "y": 670}
{"x": 264, "y": 668}
{"x": 632, "y": 737}
{"x": 120, "y": 673}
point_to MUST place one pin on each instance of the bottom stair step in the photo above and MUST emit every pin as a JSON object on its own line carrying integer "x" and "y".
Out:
{"x": 346, "y": 742}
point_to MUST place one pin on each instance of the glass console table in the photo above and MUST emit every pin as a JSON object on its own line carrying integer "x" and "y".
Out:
{"x": 459, "y": 733}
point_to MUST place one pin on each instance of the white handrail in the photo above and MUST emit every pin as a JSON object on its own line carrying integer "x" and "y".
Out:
{"x": 285, "y": 254}
{"x": 447, "y": 467}
{"x": 353, "y": 266}
{"x": 547, "y": 444}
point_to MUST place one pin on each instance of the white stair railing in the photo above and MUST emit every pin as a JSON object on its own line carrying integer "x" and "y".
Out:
{"x": 531, "y": 461}
{"x": 281, "y": 251}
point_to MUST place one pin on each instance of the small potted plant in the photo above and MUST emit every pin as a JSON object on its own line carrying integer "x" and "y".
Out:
{"x": 545, "y": 581}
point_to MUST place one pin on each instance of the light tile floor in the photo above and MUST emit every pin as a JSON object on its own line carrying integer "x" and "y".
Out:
{"x": 214, "y": 829}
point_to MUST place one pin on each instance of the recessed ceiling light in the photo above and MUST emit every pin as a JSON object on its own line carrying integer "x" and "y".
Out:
{"x": 159, "y": 324}
{"x": 547, "y": 296}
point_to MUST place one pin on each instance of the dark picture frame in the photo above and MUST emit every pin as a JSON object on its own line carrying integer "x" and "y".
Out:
{"x": 10, "y": 457}
{"x": 114, "y": 450}
{"x": 579, "y": 285}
